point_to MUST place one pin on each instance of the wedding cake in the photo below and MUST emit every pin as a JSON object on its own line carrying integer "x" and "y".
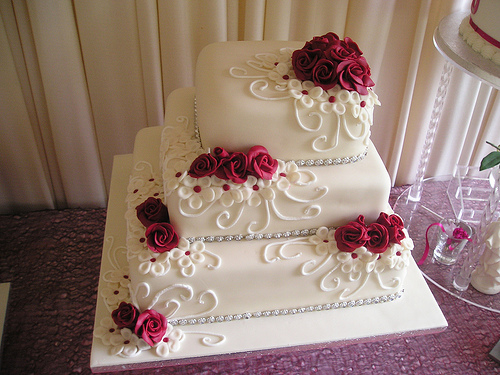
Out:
{"x": 265, "y": 199}
{"x": 481, "y": 29}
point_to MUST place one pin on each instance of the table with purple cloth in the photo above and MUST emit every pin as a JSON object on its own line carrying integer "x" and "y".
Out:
{"x": 52, "y": 261}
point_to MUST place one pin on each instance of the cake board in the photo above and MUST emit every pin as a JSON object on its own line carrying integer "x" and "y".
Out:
{"x": 416, "y": 313}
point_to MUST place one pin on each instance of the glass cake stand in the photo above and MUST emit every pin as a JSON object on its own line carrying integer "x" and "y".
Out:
{"x": 451, "y": 45}
{"x": 458, "y": 54}
{"x": 433, "y": 206}
{"x": 426, "y": 201}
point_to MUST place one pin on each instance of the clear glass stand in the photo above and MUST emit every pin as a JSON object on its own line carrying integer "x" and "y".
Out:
{"x": 434, "y": 205}
{"x": 458, "y": 54}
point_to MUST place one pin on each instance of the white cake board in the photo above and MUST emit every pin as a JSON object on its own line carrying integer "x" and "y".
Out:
{"x": 416, "y": 313}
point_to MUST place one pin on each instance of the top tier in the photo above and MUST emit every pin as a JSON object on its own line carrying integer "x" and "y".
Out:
{"x": 485, "y": 16}
{"x": 247, "y": 93}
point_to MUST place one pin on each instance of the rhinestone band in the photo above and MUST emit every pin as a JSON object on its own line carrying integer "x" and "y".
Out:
{"x": 330, "y": 161}
{"x": 301, "y": 163}
{"x": 256, "y": 236}
{"x": 284, "y": 312}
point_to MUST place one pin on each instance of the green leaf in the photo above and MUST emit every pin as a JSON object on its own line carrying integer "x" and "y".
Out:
{"x": 490, "y": 160}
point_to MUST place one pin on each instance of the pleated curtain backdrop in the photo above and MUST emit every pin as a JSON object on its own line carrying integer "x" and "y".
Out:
{"x": 79, "y": 78}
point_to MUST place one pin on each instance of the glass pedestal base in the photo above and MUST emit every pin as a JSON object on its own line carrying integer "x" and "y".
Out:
{"x": 433, "y": 206}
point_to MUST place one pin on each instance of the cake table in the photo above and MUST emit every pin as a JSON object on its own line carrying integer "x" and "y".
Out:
{"x": 415, "y": 313}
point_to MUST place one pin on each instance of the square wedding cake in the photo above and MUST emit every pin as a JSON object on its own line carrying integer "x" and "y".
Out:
{"x": 262, "y": 197}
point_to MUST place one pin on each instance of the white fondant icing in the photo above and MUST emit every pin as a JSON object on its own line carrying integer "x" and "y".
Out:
{"x": 255, "y": 105}
{"x": 244, "y": 250}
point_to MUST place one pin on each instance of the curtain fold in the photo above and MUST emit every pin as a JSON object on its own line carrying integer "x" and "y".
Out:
{"x": 79, "y": 78}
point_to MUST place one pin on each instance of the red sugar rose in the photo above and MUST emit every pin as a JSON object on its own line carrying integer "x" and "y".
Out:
{"x": 125, "y": 316}
{"x": 354, "y": 75}
{"x": 324, "y": 74}
{"x": 321, "y": 42}
{"x": 327, "y": 61}
{"x": 379, "y": 238}
{"x": 394, "y": 225}
{"x": 151, "y": 211}
{"x": 233, "y": 168}
{"x": 151, "y": 326}
{"x": 203, "y": 165}
{"x": 260, "y": 163}
{"x": 161, "y": 237}
{"x": 303, "y": 62}
{"x": 352, "y": 235}
{"x": 342, "y": 50}
{"x": 219, "y": 153}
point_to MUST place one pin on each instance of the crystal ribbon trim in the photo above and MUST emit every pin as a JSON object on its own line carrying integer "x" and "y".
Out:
{"x": 256, "y": 236}
{"x": 284, "y": 312}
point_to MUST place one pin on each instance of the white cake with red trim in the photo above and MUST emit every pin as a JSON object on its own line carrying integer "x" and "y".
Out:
{"x": 481, "y": 29}
{"x": 261, "y": 196}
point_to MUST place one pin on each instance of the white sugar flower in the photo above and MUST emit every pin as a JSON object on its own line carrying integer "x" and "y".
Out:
{"x": 355, "y": 261}
{"x": 114, "y": 293}
{"x": 260, "y": 189}
{"x": 306, "y": 92}
{"x": 171, "y": 342}
{"x": 136, "y": 242}
{"x": 188, "y": 255}
{"x": 287, "y": 174}
{"x": 127, "y": 344}
{"x": 142, "y": 186}
{"x": 106, "y": 329}
{"x": 396, "y": 256}
{"x": 232, "y": 194}
{"x": 197, "y": 191}
{"x": 120, "y": 276}
{"x": 281, "y": 73}
{"x": 157, "y": 264}
{"x": 324, "y": 239}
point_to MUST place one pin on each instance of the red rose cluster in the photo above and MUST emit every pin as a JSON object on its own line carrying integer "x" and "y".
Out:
{"x": 327, "y": 61}
{"x": 235, "y": 166}
{"x": 160, "y": 234}
{"x": 149, "y": 325}
{"x": 376, "y": 237}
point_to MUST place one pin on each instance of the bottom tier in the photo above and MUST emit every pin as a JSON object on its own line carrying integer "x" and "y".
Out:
{"x": 415, "y": 313}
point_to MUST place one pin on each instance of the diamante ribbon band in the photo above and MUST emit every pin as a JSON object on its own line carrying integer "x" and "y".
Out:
{"x": 283, "y": 312}
{"x": 256, "y": 236}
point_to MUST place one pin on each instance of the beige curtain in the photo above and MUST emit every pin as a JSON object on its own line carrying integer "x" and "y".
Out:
{"x": 79, "y": 78}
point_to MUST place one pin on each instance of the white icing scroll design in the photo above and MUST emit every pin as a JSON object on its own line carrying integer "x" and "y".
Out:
{"x": 279, "y": 250}
{"x": 261, "y": 86}
{"x": 167, "y": 300}
{"x": 345, "y": 273}
{"x": 345, "y": 293}
{"x": 134, "y": 294}
{"x": 230, "y": 201}
{"x": 113, "y": 254}
{"x": 335, "y": 280}
{"x": 209, "y": 300}
{"x": 316, "y": 110}
{"x": 310, "y": 267}
{"x": 209, "y": 339}
{"x": 396, "y": 282}
{"x": 170, "y": 300}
